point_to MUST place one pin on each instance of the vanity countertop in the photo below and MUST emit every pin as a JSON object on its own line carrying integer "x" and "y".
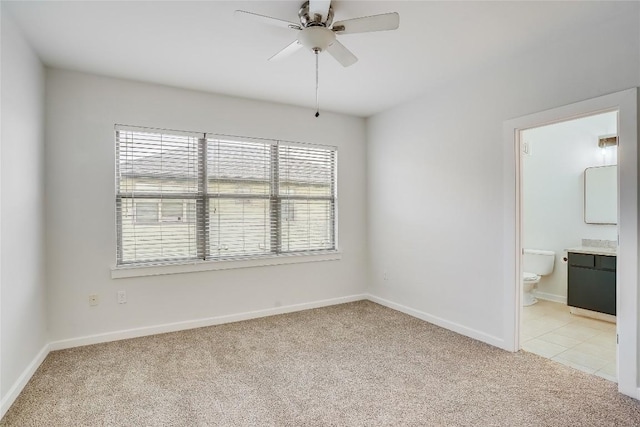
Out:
{"x": 593, "y": 250}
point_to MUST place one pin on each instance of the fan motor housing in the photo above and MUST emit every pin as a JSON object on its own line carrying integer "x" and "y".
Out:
{"x": 307, "y": 20}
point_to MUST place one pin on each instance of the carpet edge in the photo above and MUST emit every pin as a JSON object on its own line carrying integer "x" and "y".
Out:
{"x": 443, "y": 323}
{"x": 197, "y": 323}
{"x": 23, "y": 379}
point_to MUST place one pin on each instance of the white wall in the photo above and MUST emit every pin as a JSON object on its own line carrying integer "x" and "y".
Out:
{"x": 553, "y": 191}
{"x": 81, "y": 111}
{"x": 23, "y": 312}
{"x": 435, "y": 183}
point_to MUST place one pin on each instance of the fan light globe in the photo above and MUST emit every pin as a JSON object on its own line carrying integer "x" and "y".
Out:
{"x": 316, "y": 38}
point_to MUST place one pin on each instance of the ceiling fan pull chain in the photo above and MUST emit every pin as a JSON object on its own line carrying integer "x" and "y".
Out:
{"x": 317, "y": 85}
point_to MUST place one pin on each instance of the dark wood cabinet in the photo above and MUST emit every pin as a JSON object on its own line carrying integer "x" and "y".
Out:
{"x": 592, "y": 282}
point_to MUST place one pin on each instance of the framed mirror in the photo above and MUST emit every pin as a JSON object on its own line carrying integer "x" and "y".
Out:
{"x": 601, "y": 195}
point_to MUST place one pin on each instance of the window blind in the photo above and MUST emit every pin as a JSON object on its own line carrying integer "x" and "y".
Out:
{"x": 195, "y": 196}
{"x": 306, "y": 189}
{"x": 157, "y": 191}
{"x": 238, "y": 198}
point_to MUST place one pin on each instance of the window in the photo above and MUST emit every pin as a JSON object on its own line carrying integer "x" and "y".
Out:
{"x": 288, "y": 210}
{"x": 146, "y": 212}
{"x": 172, "y": 211}
{"x": 186, "y": 196}
{"x": 157, "y": 211}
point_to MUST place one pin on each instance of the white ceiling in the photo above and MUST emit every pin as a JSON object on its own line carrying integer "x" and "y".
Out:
{"x": 201, "y": 45}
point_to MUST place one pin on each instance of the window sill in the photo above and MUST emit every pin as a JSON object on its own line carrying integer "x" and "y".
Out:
{"x": 120, "y": 272}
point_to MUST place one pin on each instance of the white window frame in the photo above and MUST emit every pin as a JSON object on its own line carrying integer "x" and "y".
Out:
{"x": 274, "y": 257}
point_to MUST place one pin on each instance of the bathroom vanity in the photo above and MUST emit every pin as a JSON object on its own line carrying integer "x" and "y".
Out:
{"x": 592, "y": 279}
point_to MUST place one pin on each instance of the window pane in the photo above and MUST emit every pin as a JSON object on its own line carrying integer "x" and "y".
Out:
{"x": 239, "y": 227}
{"x": 151, "y": 166}
{"x": 238, "y": 167}
{"x": 172, "y": 211}
{"x": 288, "y": 210}
{"x": 307, "y": 198}
{"x": 150, "y": 240}
{"x": 151, "y": 163}
{"x": 239, "y": 222}
{"x": 306, "y": 171}
{"x": 310, "y": 229}
{"x": 146, "y": 212}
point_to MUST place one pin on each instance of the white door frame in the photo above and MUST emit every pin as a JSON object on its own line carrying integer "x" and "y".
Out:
{"x": 626, "y": 103}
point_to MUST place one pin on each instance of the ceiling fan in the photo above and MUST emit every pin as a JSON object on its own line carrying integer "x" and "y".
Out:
{"x": 316, "y": 32}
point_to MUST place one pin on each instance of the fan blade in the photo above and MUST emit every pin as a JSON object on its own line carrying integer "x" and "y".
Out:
{"x": 366, "y": 24}
{"x": 287, "y": 51}
{"x": 319, "y": 7}
{"x": 267, "y": 20}
{"x": 342, "y": 54}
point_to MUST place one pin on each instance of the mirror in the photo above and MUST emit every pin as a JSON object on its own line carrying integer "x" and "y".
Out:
{"x": 601, "y": 195}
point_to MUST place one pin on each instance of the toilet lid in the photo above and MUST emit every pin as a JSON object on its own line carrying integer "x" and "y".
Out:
{"x": 530, "y": 276}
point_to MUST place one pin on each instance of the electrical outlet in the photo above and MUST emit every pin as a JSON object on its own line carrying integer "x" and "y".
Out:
{"x": 93, "y": 299}
{"x": 122, "y": 297}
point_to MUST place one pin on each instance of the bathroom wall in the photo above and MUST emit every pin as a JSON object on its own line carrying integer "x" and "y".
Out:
{"x": 553, "y": 191}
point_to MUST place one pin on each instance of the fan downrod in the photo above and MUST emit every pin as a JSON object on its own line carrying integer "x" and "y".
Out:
{"x": 316, "y": 20}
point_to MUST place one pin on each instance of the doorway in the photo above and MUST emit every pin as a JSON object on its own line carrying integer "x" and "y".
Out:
{"x": 626, "y": 104}
{"x": 569, "y": 222}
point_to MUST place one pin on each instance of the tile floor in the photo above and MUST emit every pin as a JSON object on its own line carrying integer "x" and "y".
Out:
{"x": 549, "y": 330}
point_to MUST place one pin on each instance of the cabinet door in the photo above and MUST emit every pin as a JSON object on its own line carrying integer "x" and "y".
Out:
{"x": 592, "y": 289}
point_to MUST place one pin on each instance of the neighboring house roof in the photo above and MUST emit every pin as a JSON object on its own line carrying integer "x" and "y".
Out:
{"x": 175, "y": 164}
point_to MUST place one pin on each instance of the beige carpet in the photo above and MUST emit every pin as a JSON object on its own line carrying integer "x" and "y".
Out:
{"x": 352, "y": 364}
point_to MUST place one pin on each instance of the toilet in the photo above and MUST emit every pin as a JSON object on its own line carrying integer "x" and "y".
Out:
{"x": 535, "y": 264}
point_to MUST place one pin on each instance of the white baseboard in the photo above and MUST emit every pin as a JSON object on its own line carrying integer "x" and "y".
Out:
{"x": 551, "y": 297}
{"x": 22, "y": 381}
{"x": 198, "y": 323}
{"x": 13, "y": 393}
{"x": 452, "y": 326}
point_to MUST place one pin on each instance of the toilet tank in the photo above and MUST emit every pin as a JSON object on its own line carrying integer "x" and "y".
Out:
{"x": 537, "y": 261}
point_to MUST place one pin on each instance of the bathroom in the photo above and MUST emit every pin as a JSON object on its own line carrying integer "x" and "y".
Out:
{"x": 568, "y": 224}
